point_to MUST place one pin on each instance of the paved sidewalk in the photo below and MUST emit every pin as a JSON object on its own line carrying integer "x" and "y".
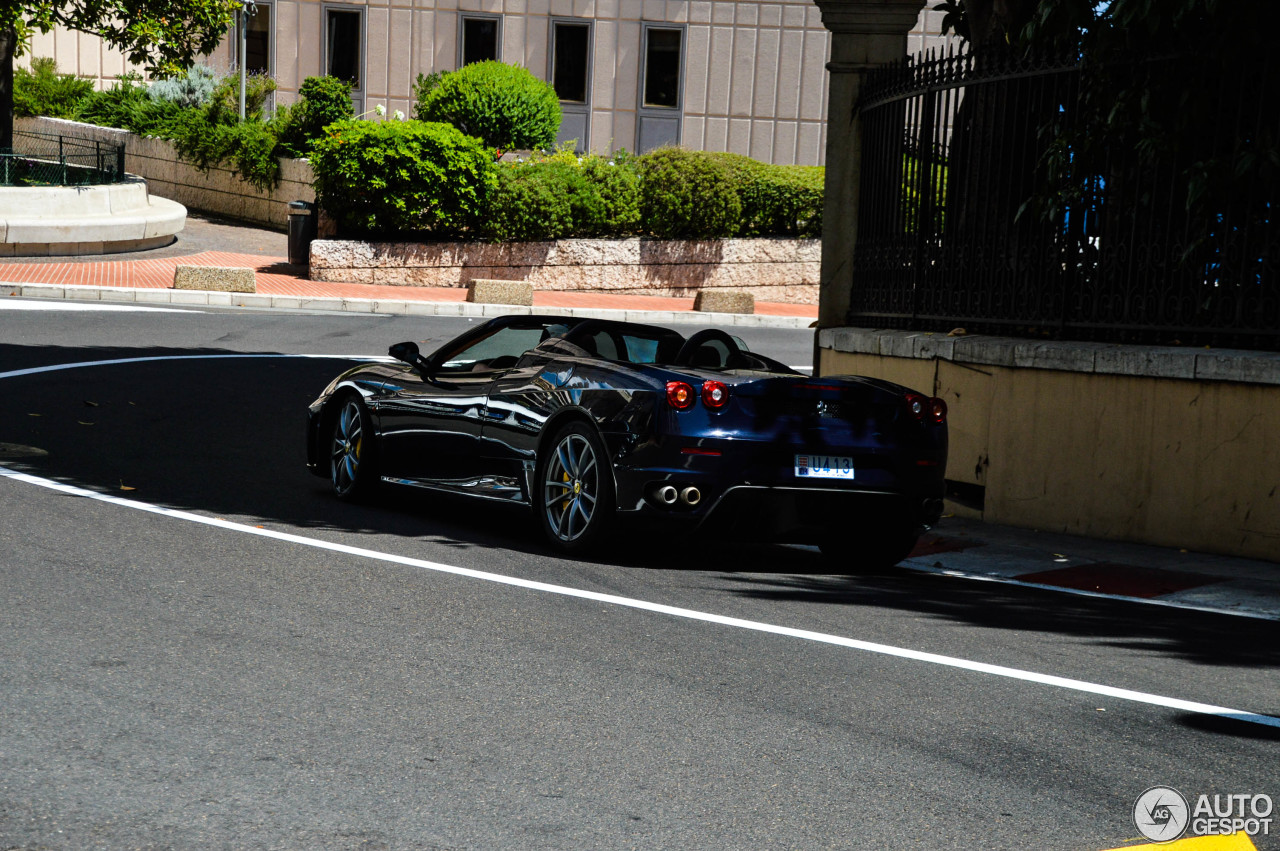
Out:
{"x": 148, "y": 276}
{"x": 1072, "y": 564}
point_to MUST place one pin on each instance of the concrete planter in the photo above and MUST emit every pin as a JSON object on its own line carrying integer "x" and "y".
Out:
{"x": 774, "y": 270}
{"x": 219, "y": 191}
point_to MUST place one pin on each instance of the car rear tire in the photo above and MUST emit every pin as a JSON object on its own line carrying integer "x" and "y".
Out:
{"x": 574, "y": 494}
{"x": 869, "y": 553}
{"x": 352, "y": 466}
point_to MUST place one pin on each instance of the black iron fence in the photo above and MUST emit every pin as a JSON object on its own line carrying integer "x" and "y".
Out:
{"x": 983, "y": 206}
{"x": 42, "y": 159}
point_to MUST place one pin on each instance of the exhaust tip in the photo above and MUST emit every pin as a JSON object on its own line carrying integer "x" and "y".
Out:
{"x": 666, "y": 495}
{"x": 691, "y": 495}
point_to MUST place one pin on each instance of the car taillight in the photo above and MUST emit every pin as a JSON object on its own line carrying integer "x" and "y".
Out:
{"x": 715, "y": 394}
{"x": 917, "y": 405}
{"x": 680, "y": 395}
{"x": 938, "y": 410}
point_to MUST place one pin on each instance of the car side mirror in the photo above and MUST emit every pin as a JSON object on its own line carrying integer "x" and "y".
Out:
{"x": 408, "y": 352}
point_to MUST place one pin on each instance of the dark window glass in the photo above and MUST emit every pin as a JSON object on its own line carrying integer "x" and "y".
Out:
{"x": 344, "y": 46}
{"x": 257, "y": 50}
{"x": 479, "y": 40}
{"x": 569, "y": 73}
{"x": 662, "y": 68}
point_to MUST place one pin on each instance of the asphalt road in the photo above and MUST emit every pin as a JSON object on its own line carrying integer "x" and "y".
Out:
{"x": 166, "y": 683}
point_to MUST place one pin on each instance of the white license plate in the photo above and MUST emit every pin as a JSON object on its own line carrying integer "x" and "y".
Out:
{"x": 824, "y": 467}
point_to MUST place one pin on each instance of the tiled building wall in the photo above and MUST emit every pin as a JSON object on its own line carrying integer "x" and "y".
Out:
{"x": 754, "y": 72}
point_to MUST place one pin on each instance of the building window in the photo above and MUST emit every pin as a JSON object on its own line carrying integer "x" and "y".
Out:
{"x": 571, "y": 59}
{"x": 257, "y": 53}
{"x": 344, "y": 45}
{"x": 662, "y": 62}
{"x": 479, "y": 39}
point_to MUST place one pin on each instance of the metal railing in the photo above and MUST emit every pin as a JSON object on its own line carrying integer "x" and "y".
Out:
{"x": 42, "y": 159}
{"x": 979, "y": 208}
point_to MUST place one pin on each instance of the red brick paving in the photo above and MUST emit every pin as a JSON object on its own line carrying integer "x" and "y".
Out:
{"x": 276, "y": 277}
{"x": 1126, "y": 580}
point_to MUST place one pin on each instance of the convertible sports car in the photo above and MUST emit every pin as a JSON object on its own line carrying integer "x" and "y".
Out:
{"x": 591, "y": 422}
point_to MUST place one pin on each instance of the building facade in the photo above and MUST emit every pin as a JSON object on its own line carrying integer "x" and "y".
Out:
{"x": 719, "y": 75}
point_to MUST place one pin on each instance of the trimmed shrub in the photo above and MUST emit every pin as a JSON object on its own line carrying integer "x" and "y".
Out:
{"x": 393, "y": 176}
{"x": 194, "y": 88}
{"x": 777, "y": 200}
{"x": 322, "y": 101}
{"x": 503, "y": 105}
{"x": 43, "y": 91}
{"x": 687, "y": 195}
{"x": 562, "y": 196}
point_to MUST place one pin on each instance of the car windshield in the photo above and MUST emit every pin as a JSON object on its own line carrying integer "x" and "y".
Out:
{"x": 500, "y": 348}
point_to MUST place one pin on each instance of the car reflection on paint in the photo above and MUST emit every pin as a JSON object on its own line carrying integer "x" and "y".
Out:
{"x": 592, "y": 423}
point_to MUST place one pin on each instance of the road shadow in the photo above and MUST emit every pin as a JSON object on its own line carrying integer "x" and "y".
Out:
{"x": 226, "y": 437}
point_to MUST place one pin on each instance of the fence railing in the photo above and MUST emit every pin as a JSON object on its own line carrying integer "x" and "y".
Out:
{"x": 974, "y": 212}
{"x": 40, "y": 159}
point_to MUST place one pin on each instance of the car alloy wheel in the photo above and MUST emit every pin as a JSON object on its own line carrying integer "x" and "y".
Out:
{"x": 350, "y": 451}
{"x": 575, "y": 496}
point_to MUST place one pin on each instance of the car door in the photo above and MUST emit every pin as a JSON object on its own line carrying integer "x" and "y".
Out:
{"x": 430, "y": 421}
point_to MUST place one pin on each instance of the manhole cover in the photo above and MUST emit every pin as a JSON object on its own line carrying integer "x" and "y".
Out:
{"x": 10, "y": 451}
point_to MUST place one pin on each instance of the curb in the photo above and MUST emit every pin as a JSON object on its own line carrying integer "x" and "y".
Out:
{"x": 407, "y": 307}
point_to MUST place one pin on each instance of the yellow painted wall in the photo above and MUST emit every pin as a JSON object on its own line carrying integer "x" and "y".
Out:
{"x": 1192, "y": 464}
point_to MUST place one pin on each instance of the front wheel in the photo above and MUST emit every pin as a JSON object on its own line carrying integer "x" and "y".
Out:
{"x": 351, "y": 462}
{"x": 574, "y": 496}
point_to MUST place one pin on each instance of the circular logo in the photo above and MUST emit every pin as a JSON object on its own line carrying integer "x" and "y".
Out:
{"x": 1160, "y": 814}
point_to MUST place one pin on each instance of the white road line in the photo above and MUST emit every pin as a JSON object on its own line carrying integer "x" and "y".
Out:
{"x": 23, "y": 304}
{"x": 36, "y": 370}
{"x": 674, "y": 611}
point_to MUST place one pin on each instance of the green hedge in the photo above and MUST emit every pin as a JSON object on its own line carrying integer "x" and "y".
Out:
{"x": 321, "y": 101}
{"x": 504, "y": 105}
{"x": 387, "y": 177}
{"x": 687, "y": 194}
{"x": 776, "y": 200}
{"x": 563, "y": 196}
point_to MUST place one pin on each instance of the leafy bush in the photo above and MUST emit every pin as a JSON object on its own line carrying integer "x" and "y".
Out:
{"x": 563, "y": 196}
{"x": 426, "y": 83}
{"x": 777, "y": 200}
{"x": 43, "y": 91}
{"x": 248, "y": 145}
{"x": 503, "y": 105}
{"x": 194, "y": 88}
{"x": 126, "y": 105}
{"x": 322, "y": 101}
{"x": 392, "y": 176}
{"x": 687, "y": 194}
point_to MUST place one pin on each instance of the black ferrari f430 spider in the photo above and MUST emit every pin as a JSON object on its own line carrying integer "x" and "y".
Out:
{"x": 592, "y": 423}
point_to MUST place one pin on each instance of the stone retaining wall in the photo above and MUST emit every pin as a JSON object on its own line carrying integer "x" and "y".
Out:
{"x": 1161, "y": 445}
{"x": 776, "y": 270}
{"x": 219, "y": 191}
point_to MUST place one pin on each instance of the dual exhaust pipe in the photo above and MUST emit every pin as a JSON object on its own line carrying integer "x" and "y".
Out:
{"x": 668, "y": 495}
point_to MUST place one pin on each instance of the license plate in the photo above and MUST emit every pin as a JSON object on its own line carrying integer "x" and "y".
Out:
{"x": 824, "y": 467}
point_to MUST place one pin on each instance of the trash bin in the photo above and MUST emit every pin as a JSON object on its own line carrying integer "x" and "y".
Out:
{"x": 302, "y": 229}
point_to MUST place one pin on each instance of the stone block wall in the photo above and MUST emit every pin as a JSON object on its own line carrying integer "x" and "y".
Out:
{"x": 775, "y": 270}
{"x": 219, "y": 191}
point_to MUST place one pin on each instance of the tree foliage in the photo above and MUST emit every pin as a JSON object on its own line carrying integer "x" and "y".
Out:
{"x": 164, "y": 36}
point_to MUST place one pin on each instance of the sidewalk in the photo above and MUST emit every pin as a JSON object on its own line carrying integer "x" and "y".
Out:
{"x": 148, "y": 276}
{"x": 1100, "y": 568}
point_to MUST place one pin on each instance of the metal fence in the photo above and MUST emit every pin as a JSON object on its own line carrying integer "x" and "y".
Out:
{"x": 42, "y": 159}
{"x": 980, "y": 209}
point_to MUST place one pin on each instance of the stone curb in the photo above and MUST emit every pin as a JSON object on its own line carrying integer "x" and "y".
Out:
{"x": 201, "y": 298}
{"x": 1246, "y": 367}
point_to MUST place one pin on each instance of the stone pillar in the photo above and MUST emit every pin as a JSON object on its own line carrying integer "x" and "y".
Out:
{"x": 864, "y": 34}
